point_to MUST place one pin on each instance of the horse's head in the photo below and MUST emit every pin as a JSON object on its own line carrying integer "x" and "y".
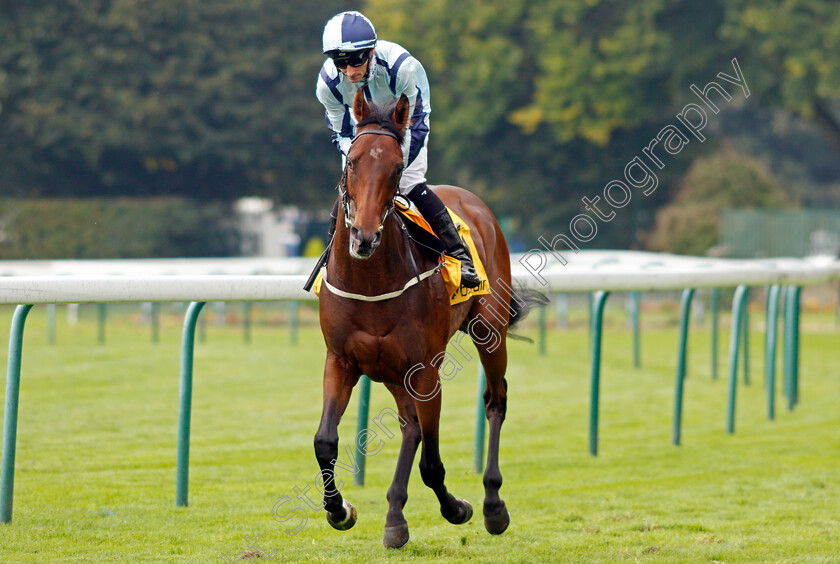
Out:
{"x": 374, "y": 167}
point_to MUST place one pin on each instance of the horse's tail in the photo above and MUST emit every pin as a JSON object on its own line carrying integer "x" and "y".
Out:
{"x": 521, "y": 303}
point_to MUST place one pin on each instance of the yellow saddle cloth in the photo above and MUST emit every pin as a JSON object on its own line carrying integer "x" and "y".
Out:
{"x": 451, "y": 268}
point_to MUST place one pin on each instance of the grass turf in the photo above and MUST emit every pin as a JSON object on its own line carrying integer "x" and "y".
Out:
{"x": 95, "y": 469}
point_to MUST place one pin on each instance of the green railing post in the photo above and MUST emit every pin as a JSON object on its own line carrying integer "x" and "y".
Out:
{"x": 685, "y": 314}
{"x": 699, "y": 310}
{"x": 542, "y": 330}
{"x": 154, "y": 317}
{"x": 837, "y": 309}
{"x": 783, "y": 299}
{"x": 599, "y": 298}
{"x": 294, "y": 310}
{"x": 246, "y": 321}
{"x": 787, "y": 355}
{"x": 746, "y": 341}
{"x": 635, "y": 307}
{"x": 480, "y": 417}
{"x": 738, "y": 306}
{"x": 795, "y": 349}
{"x": 770, "y": 349}
{"x": 102, "y": 310}
{"x": 715, "y": 306}
{"x": 562, "y": 309}
{"x": 202, "y": 329}
{"x": 791, "y": 346}
{"x": 767, "y": 296}
{"x": 185, "y": 404}
{"x": 361, "y": 425}
{"x": 51, "y": 324}
{"x": 7, "y": 465}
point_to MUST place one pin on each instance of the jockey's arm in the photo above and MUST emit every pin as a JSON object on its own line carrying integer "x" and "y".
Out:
{"x": 412, "y": 81}
{"x": 338, "y": 119}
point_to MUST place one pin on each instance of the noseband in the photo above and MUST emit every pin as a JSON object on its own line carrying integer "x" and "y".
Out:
{"x": 342, "y": 184}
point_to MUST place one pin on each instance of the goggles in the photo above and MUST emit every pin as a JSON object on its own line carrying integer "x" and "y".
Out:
{"x": 352, "y": 58}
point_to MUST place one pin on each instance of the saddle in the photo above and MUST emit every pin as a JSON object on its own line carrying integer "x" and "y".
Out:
{"x": 425, "y": 239}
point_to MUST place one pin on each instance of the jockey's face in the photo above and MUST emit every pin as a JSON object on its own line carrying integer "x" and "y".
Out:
{"x": 356, "y": 74}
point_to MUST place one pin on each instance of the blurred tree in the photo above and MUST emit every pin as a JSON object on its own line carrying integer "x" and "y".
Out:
{"x": 545, "y": 100}
{"x": 535, "y": 102}
{"x": 689, "y": 224}
{"x": 795, "y": 150}
{"x": 792, "y": 48}
{"x": 49, "y": 228}
{"x": 210, "y": 98}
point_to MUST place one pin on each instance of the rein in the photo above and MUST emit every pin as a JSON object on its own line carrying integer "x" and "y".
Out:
{"x": 345, "y": 203}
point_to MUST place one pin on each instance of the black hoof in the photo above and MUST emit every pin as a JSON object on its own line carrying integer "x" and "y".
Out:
{"x": 464, "y": 514}
{"x": 347, "y": 522}
{"x": 498, "y": 523}
{"x": 396, "y": 537}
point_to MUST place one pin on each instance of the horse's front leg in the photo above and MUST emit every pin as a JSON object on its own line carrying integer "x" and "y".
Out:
{"x": 396, "y": 527}
{"x": 339, "y": 379}
{"x": 426, "y": 390}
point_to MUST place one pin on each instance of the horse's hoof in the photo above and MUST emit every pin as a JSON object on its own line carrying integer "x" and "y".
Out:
{"x": 498, "y": 523}
{"x": 464, "y": 514}
{"x": 396, "y": 537}
{"x": 349, "y": 518}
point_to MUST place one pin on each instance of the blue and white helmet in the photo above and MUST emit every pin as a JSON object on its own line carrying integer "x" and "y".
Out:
{"x": 349, "y": 31}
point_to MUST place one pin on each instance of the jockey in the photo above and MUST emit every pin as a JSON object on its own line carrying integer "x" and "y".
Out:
{"x": 384, "y": 70}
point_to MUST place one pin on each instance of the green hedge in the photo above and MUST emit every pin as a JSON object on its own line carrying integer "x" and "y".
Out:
{"x": 114, "y": 228}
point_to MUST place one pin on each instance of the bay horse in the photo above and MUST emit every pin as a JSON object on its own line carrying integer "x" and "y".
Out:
{"x": 394, "y": 337}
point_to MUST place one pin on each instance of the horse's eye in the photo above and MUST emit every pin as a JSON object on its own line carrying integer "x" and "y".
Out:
{"x": 350, "y": 164}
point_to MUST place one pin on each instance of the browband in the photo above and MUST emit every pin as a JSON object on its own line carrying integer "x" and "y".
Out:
{"x": 377, "y": 132}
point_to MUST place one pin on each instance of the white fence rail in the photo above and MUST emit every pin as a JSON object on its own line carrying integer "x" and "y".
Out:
{"x": 45, "y": 282}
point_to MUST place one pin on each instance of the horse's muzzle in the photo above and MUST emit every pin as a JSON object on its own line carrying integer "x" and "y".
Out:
{"x": 362, "y": 245}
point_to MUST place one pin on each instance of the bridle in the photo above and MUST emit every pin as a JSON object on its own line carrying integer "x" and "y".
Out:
{"x": 342, "y": 184}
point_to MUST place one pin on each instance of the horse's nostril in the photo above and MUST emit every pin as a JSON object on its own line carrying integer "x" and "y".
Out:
{"x": 362, "y": 245}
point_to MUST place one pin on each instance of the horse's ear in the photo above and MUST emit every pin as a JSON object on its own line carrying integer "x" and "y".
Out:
{"x": 401, "y": 112}
{"x": 360, "y": 105}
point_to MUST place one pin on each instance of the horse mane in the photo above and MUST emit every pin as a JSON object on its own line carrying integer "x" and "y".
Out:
{"x": 383, "y": 116}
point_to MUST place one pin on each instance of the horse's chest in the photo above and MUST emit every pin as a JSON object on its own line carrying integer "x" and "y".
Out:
{"x": 384, "y": 358}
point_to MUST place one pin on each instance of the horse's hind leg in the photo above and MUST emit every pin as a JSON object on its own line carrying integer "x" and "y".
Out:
{"x": 494, "y": 361}
{"x": 426, "y": 384}
{"x": 339, "y": 380}
{"x": 396, "y": 528}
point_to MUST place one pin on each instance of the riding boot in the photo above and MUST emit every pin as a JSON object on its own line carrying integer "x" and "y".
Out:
{"x": 326, "y": 254}
{"x": 434, "y": 211}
